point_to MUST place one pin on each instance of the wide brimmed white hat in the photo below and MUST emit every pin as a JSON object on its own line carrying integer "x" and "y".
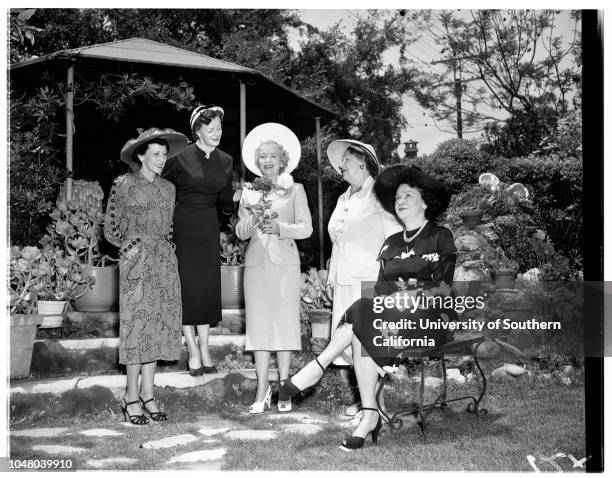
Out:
{"x": 336, "y": 150}
{"x": 275, "y": 132}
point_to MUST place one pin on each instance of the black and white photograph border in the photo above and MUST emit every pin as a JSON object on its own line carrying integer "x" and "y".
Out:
{"x": 416, "y": 94}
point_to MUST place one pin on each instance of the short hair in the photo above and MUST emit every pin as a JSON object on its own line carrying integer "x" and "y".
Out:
{"x": 362, "y": 156}
{"x": 284, "y": 155}
{"x": 204, "y": 119}
{"x": 142, "y": 149}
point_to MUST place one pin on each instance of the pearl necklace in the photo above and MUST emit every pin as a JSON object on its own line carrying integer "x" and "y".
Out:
{"x": 411, "y": 238}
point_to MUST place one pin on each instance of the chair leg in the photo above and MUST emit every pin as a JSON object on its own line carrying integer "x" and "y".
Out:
{"x": 443, "y": 405}
{"x": 422, "y": 416}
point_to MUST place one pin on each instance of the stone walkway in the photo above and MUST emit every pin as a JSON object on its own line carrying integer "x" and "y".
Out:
{"x": 204, "y": 450}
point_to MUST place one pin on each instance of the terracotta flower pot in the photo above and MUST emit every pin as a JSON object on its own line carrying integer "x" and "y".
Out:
{"x": 471, "y": 218}
{"x": 23, "y": 331}
{"x": 320, "y": 326}
{"x": 52, "y": 312}
{"x": 232, "y": 288}
{"x": 104, "y": 295}
{"x": 504, "y": 278}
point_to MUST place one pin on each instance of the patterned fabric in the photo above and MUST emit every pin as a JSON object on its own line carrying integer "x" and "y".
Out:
{"x": 139, "y": 222}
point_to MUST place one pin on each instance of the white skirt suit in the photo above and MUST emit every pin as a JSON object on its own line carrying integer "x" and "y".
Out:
{"x": 272, "y": 271}
{"x": 357, "y": 228}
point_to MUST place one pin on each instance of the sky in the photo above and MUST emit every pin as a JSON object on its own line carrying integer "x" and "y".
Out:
{"x": 421, "y": 127}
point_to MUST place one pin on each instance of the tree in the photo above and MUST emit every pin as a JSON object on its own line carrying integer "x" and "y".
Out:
{"x": 522, "y": 65}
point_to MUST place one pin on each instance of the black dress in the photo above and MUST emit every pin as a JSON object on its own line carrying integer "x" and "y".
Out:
{"x": 203, "y": 183}
{"x": 423, "y": 263}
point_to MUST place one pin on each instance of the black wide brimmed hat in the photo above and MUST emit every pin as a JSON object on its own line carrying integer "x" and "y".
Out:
{"x": 435, "y": 194}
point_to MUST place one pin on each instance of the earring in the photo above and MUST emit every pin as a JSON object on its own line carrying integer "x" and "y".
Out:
{"x": 361, "y": 166}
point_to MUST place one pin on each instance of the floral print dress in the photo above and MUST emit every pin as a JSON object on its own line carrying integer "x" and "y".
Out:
{"x": 139, "y": 222}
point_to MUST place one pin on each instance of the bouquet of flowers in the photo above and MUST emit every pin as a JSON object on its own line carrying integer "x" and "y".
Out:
{"x": 260, "y": 194}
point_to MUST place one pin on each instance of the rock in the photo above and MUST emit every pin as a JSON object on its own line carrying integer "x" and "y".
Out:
{"x": 302, "y": 428}
{"x": 515, "y": 370}
{"x": 432, "y": 382}
{"x": 59, "y": 449}
{"x": 531, "y": 276}
{"x": 170, "y": 442}
{"x": 252, "y": 435}
{"x": 468, "y": 242}
{"x": 454, "y": 374}
{"x": 111, "y": 462}
{"x": 200, "y": 455}
{"x": 300, "y": 417}
{"x": 499, "y": 372}
{"x": 211, "y": 431}
{"x": 38, "y": 432}
{"x": 100, "y": 432}
{"x": 488, "y": 349}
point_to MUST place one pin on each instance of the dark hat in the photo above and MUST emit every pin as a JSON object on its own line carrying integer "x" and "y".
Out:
{"x": 434, "y": 192}
{"x": 177, "y": 142}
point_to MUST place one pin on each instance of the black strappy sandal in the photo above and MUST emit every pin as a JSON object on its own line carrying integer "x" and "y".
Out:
{"x": 155, "y": 416}
{"x": 287, "y": 389}
{"x": 355, "y": 442}
{"x": 133, "y": 419}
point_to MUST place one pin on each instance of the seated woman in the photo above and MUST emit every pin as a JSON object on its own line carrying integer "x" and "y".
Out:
{"x": 421, "y": 257}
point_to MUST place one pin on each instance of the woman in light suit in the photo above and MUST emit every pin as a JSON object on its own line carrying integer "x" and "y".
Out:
{"x": 357, "y": 227}
{"x": 272, "y": 218}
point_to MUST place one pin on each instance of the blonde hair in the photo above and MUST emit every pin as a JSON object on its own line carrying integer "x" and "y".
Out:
{"x": 284, "y": 156}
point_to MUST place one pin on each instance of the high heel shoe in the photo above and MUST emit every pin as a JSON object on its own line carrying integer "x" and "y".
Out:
{"x": 355, "y": 442}
{"x": 287, "y": 388}
{"x": 259, "y": 407}
{"x": 133, "y": 419}
{"x": 284, "y": 405}
{"x": 195, "y": 372}
{"x": 155, "y": 416}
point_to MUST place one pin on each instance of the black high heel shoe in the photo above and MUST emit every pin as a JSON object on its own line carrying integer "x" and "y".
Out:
{"x": 354, "y": 442}
{"x": 133, "y": 419}
{"x": 155, "y": 416}
{"x": 287, "y": 389}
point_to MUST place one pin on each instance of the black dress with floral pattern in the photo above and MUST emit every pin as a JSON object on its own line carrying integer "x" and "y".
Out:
{"x": 423, "y": 263}
{"x": 139, "y": 222}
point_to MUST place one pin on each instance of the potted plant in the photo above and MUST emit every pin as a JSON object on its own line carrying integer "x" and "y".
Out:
{"x": 23, "y": 321}
{"x": 472, "y": 203}
{"x": 503, "y": 270}
{"x": 232, "y": 250}
{"x": 317, "y": 295}
{"x": 77, "y": 227}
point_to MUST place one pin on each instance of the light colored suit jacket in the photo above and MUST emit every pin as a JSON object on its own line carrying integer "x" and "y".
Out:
{"x": 358, "y": 227}
{"x": 294, "y": 221}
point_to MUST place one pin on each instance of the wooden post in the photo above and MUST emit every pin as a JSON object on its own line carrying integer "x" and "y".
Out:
{"x": 242, "y": 128}
{"x": 320, "y": 195}
{"x": 69, "y": 129}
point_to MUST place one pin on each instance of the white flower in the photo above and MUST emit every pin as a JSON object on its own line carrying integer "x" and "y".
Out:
{"x": 433, "y": 257}
{"x": 250, "y": 196}
{"x": 406, "y": 254}
{"x": 285, "y": 180}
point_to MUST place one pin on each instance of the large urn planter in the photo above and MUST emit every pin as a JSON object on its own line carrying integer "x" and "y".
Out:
{"x": 23, "y": 332}
{"x": 320, "y": 326}
{"x": 232, "y": 288}
{"x": 104, "y": 295}
{"x": 504, "y": 278}
{"x": 472, "y": 217}
{"x": 52, "y": 313}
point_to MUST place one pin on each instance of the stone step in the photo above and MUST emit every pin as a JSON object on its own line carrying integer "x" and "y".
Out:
{"x": 116, "y": 383}
{"x": 106, "y": 324}
{"x": 52, "y": 358}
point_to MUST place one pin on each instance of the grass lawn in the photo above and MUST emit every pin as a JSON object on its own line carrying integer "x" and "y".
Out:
{"x": 526, "y": 416}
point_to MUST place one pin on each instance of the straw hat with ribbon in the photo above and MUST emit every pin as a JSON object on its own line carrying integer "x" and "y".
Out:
{"x": 278, "y": 133}
{"x": 177, "y": 142}
{"x": 336, "y": 150}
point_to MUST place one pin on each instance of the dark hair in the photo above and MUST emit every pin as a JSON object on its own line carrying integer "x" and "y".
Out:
{"x": 431, "y": 200}
{"x": 204, "y": 119}
{"x": 361, "y": 155}
{"x": 142, "y": 149}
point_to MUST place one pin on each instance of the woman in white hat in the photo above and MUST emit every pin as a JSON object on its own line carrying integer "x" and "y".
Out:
{"x": 202, "y": 174}
{"x": 139, "y": 221}
{"x": 273, "y": 213}
{"x": 357, "y": 227}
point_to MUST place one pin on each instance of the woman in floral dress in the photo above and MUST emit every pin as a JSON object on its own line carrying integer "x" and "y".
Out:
{"x": 139, "y": 222}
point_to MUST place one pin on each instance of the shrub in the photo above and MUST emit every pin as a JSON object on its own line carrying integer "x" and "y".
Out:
{"x": 456, "y": 162}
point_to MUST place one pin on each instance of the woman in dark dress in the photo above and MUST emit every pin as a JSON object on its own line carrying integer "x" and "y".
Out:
{"x": 202, "y": 175}
{"x": 421, "y": 257}
{"x": 139, "y": 221}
